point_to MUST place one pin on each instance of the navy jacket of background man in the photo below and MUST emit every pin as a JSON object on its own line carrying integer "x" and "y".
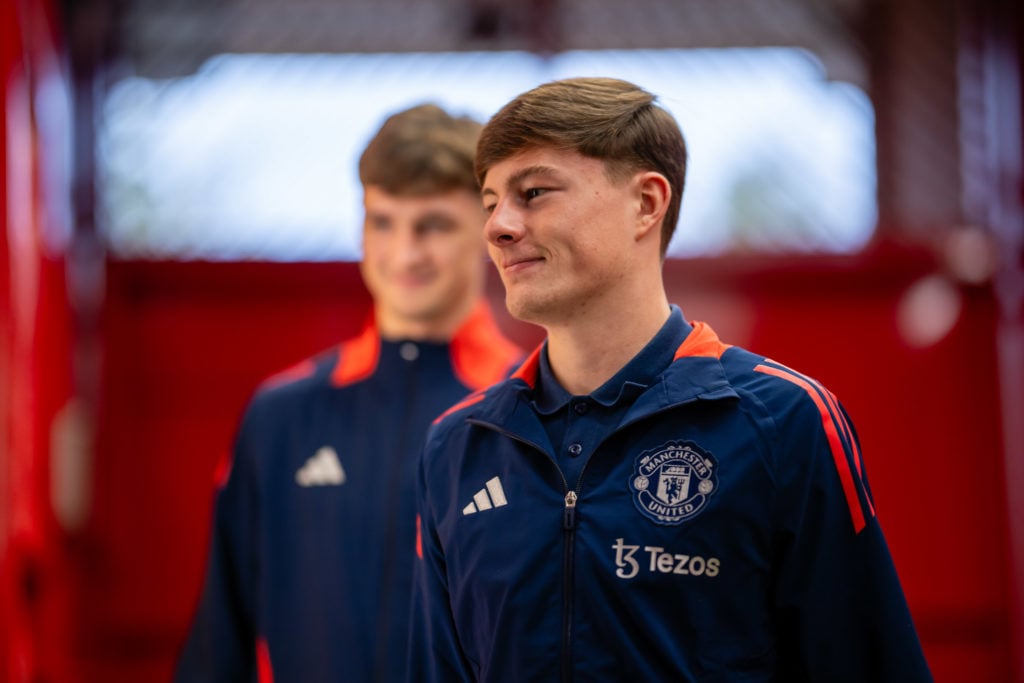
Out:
{"x": 312, "y": 549}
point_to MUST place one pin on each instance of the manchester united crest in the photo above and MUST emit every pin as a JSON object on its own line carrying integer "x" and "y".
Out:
{"x": 673, "y": 483}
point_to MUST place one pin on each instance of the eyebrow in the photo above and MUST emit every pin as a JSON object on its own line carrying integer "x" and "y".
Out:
{"x": 520, "y": 175}
{"x": 435, "y": 216}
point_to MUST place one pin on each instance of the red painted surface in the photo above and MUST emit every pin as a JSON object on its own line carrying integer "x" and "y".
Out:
{"x": 36, "y": 376}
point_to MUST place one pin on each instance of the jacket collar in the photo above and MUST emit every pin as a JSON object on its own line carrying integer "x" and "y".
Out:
{"x": 695, "y": 374}
{"x": 632, "y": 380}
{"x": 479, "y": 353}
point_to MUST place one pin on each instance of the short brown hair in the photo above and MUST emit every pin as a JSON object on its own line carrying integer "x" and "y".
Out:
{"x": 421, "y": 151}
{"x": 603, "y": 118}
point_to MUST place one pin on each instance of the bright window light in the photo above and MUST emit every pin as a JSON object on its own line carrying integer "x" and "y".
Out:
{"x": 254, "y": 156}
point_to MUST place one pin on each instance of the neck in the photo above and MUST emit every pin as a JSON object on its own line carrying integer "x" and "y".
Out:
{"x": 587, "y": 351}
{"x": 427, "y": 329}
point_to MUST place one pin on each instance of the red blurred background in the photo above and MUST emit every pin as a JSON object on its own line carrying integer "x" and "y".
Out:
{"x": 121, "y": 380}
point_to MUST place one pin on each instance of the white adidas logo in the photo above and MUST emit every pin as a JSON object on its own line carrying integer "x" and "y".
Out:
{"x": 323, "y": 469}
{"x": 482, "y": 501}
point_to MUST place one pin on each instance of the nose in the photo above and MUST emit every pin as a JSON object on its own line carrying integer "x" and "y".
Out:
{"x": 407, "y": 247}
{"x": 504, "y": 226}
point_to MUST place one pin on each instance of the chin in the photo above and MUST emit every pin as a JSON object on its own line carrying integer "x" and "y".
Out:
{"x": 419, "y": 314}
{"x": 529, "y": 309}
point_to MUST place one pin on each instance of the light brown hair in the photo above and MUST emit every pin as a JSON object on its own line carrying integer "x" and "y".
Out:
{"x": 421, "y": 151}
{"x": 603, "y": 118}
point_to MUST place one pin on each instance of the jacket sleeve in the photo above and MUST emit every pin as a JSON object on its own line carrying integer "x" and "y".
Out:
{"x": 840, "y": 609}
{"x": 221, "y": 645}
{"x": 435, "y": 655}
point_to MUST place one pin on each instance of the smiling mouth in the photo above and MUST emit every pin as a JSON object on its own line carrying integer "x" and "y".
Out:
{"x": 409, "y": 281}
{"x": 514, "y": 265}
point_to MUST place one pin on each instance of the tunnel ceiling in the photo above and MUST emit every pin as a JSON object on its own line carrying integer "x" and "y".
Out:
{"x": 167, "y": 38}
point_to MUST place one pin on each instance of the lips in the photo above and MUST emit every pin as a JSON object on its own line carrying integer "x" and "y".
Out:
{"x": 412, "y": 280}
{"x": 518, "y": 263}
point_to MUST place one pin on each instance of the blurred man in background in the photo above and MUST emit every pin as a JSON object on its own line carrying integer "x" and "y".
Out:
{"x": 640, "y": 501}
{"x": 313, "y": 535}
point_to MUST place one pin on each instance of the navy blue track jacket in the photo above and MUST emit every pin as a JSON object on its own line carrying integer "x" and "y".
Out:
{"x": 722, "y": 530}
{"x": 310, "y": 565}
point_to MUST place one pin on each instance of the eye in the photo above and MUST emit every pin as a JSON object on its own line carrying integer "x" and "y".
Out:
{"x": 489, "y": 208}
{"x": 435, "y": 224}
{"x": 533, "y": 192}
{"x": 378, "y": 223}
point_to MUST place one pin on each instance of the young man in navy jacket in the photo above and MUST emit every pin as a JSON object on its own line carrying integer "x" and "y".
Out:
{"x": 313, "y": 538}
{"x": 640, "y": 501}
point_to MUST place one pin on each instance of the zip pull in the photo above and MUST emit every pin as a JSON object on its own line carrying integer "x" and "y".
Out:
{"x": 570, "y": 510}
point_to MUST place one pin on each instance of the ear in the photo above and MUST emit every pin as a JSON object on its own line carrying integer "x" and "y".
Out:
{"x": 654, "y": 193}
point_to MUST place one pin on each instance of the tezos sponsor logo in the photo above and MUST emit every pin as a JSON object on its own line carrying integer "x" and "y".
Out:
{"x": 656, "y": 559}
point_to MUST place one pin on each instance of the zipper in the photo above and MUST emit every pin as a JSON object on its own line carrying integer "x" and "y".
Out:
{"x": 570, "y": 510}
{"x": 568, "y": 561}
{"x": 568, "y": 555}
{"x": 569, "y": 525}
{"x": 382, "y": 656}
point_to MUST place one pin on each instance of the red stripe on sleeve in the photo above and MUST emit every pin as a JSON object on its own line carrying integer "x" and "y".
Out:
{"x": 222, "y": 472}
{"x": 468, "y": 401}
{"x": 834, "y": 440}
{"x": 837, "y": 414}
{"x": 419, "y": 537}
{"x": 848, "y": 433}
{"x": 292, "y": 374}
{"x": 264, "y": 672}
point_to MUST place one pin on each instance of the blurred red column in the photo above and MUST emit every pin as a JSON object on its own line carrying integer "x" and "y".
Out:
{"x": 36, "y": 325}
